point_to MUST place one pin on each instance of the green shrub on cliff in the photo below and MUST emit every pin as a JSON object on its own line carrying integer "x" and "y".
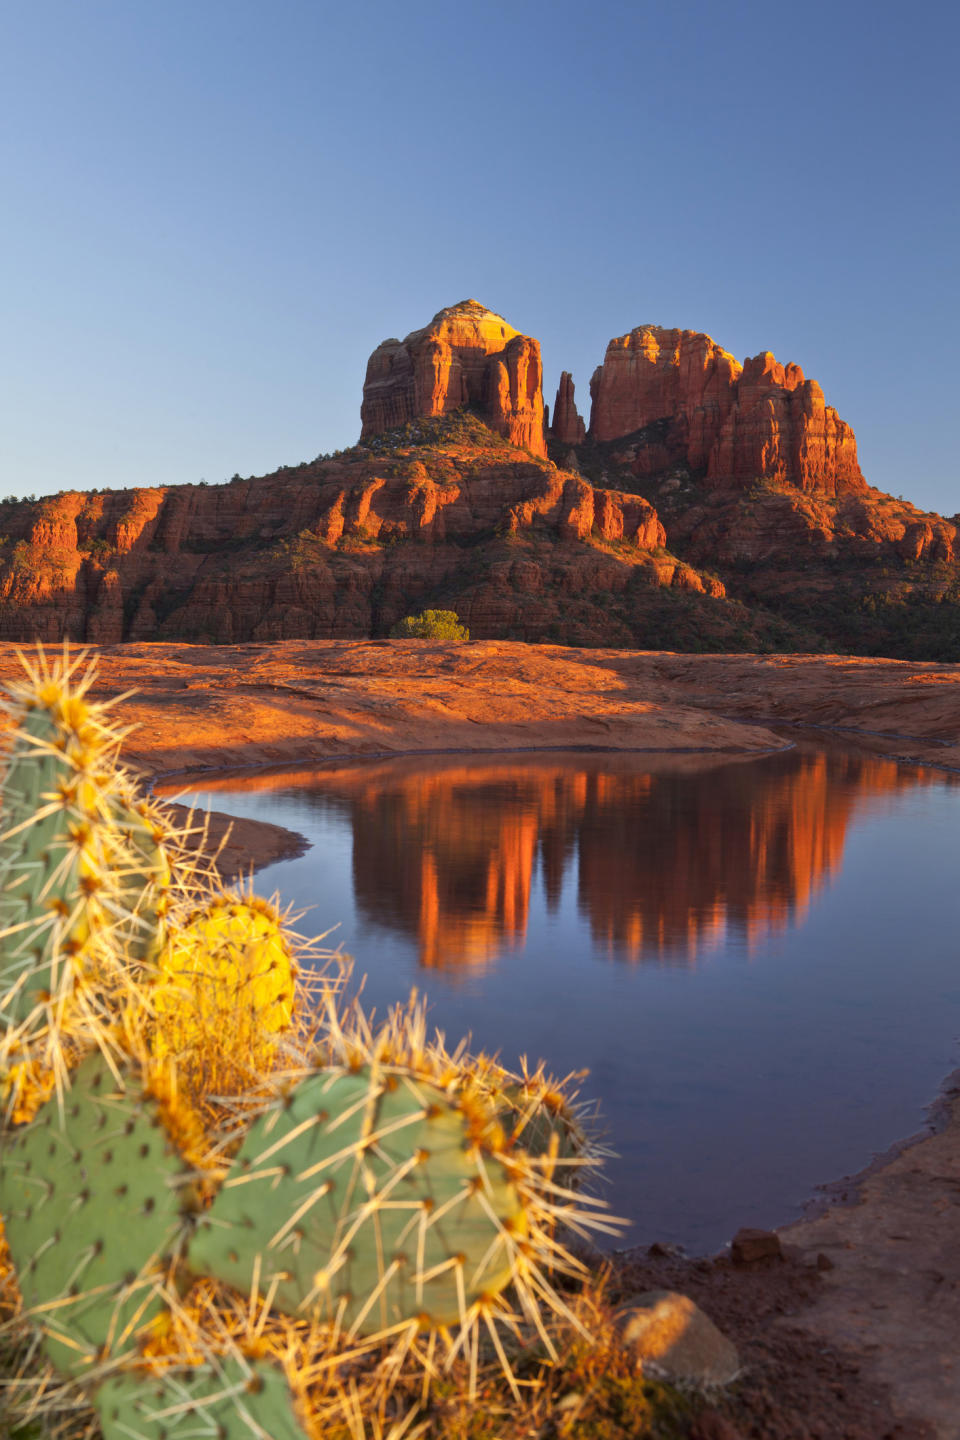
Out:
{"x": 431, "y": 625}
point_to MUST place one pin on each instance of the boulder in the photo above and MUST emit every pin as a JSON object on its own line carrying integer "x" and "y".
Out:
{"x": 749, "y": 1246}
{"x": 670, "y": 1337}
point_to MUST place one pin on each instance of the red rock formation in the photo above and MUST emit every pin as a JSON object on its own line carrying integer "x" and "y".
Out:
{"x": 780, "y": 429}
{"x": 466, "y": 356}
{"x": 568, "y": 424}
{"x": 339, "y": 548}
{"x": 732, "y": 424}
{"x": 785, "y": 531}
{"x": 654, "y": 374}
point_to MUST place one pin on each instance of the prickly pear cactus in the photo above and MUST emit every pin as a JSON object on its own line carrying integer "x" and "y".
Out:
{"x": 372, "y": 1196}
{"x": 225, "y": 994}
{"x": 91, "y": 1204}
{"x": 235, "y": 1400}
{"x": 83, "y": 870}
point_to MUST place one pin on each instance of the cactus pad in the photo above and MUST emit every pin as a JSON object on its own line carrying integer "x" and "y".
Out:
{"x": 83, "y": 871}
{"x": 231, "y": 1399}
{"x": 228, "y": 960}
{"x": 370, "y": 1196}
{"x": 90, "y": 1204}
{"x": 225, "y": 993}
{"x": 542, "y": 1123}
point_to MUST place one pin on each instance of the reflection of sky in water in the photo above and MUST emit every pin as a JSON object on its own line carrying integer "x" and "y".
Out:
{"x": 757, "y": 961}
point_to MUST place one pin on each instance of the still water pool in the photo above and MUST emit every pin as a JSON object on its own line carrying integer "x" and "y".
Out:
{"x": 756, "y": 959}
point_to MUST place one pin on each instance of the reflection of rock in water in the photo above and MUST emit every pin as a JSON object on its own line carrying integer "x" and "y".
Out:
{"x": 450, "y": 860}
{"x": 668, "y": 858}
{"x": 667, "y": 862}
{"x": 747, "y": 848}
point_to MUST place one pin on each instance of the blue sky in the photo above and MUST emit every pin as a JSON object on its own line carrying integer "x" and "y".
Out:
{"x": 214, "y": 210}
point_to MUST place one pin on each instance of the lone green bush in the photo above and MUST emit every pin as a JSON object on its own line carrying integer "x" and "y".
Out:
{"x": 431, "y": 625}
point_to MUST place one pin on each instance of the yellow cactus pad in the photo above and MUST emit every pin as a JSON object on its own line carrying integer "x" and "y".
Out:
{"x": 225, "y": 993}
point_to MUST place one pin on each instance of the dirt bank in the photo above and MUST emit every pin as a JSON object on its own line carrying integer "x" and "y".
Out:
{"x": 241, "y": 846}
{"x": 866, "y": 1348}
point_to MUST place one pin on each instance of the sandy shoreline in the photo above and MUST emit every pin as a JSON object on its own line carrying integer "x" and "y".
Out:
{"x": 887, "y": 1295}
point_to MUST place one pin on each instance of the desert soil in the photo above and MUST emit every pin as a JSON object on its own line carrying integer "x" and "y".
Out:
{"x": 856, "y": 1332}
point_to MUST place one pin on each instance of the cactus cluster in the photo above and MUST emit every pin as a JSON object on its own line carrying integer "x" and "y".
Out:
{"x": 204, "y": 1162}
{"x": 85, "y": 877}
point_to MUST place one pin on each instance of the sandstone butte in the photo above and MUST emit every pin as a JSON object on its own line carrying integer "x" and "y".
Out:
{"x": 708, "y": 506}
{"x": 466, "y": 356}
{"x": 735, "y": 423}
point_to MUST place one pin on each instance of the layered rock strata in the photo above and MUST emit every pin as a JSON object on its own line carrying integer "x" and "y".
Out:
{"x": 728, "y": 423}
{"x": 466, "y": 357}
{"x": 339, "y": 548}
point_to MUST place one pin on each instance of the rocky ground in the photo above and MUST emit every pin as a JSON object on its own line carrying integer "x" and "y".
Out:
{"x": 852, "y": 1330}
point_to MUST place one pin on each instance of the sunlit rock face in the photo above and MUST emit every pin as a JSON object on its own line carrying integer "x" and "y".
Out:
{"x": 732, "y": 424}
{"x": 466, "y": 356}
{"x": 341, "y": 547}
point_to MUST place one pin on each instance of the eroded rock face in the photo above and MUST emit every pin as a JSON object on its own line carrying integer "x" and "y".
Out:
{"x": 466, "y": 356}
{"x": 732, "y": 424}
{"x": 784, "y": 530}
{"x": 340, "y": 548}
{"x": 568, "y": 424}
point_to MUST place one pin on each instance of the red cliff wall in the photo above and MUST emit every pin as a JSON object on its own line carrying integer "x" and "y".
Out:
{"x": 334, "y": 549}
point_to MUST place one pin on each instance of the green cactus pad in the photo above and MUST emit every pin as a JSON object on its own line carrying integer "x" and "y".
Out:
{"x": 90, "y": 1204}
{"x": 236, "y": 1401}
{"x": 141, "y": 875}
{"x": 82, "y": 867}
{"x": 369, "y": 1195}
{"x": 544, "y": 1129}
{"x": 28, "y": 859}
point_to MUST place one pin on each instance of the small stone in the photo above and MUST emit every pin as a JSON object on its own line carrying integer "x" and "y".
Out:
{"x": 670, "y": 1337}
{"x": 824, "y": 1262}
{"x": 666, "y": 1250}
{"x": 751, "y": 1245}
